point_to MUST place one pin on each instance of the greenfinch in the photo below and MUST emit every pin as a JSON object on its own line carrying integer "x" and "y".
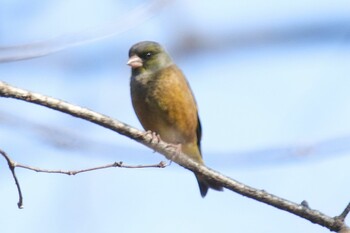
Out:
{"x": 164, "y": 103}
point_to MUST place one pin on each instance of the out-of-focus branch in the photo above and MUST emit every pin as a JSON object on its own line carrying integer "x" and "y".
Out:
{"x": 301, "y": 210}
{"x": 64, "y": 138}
{"x": 59, "y": 43}
{"x": 192, "y": 41}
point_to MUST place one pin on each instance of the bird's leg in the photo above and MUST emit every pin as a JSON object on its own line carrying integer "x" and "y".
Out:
{"x": 155, "y": 138}
{"x": 177, "y": 147}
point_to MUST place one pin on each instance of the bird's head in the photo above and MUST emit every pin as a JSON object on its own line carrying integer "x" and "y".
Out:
{"x": 148, "y": 56}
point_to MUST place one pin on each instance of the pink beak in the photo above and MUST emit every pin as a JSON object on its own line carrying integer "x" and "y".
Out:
{"x": 135, "y": 62}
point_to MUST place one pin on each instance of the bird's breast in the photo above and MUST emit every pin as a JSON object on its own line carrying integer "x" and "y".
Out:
{"x": 164, "y": 104}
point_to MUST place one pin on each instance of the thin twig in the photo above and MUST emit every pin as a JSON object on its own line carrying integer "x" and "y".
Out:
{"x": 343, "y": 215}
{"x": 161, "y": 164}
{"x": 12, "y": 165}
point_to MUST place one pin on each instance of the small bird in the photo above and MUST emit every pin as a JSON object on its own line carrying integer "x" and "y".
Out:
{"x": 164, "y": 103}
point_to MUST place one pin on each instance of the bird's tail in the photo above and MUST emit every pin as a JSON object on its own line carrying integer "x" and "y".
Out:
{"x": 205, "y": 184}
{"x": 193, "y": 151}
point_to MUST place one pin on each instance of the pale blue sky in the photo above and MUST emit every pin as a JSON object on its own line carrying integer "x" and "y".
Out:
{"x": 259, "y": 104}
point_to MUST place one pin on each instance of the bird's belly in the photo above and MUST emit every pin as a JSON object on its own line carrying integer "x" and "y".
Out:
{"x": 157, "y": 120}
{"x": 166, "y": 111}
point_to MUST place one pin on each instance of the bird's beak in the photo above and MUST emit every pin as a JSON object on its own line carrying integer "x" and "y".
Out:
{"x": 135, "y": 62}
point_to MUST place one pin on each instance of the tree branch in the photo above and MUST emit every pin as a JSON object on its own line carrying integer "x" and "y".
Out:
{"x": 161, "y": 164}
{"x": 301, "y": 210}
{"x": 12, "y": 165}
{"x": 346, "y": 211}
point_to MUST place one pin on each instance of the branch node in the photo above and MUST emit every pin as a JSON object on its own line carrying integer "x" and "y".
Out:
{"x": 305, "y": 204}
{"x": 118, "y": 164}
{"x": 20, "y": 205}
{"x": 71, "y": 173}
{"x": 343, "y": 215}
{"x": 163, "y": 164}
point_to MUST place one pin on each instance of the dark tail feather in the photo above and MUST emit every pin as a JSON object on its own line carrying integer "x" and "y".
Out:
{"x": 204, "y": 185}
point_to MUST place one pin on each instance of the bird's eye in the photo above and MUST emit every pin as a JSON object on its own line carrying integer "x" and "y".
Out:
{"x": 148, "y": 55}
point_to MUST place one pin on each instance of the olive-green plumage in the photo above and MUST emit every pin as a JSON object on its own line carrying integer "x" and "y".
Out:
{"x": 164, "y": 103}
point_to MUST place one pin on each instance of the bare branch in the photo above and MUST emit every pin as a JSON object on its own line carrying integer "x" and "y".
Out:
{"x": 333, "y": 224}
{"x": 194, "y": 41}
{"x": 12, "y": 166}
{"x": 161, "y": 164}
{"x": 343, "y": 215}
{"x": 67, "y": 139}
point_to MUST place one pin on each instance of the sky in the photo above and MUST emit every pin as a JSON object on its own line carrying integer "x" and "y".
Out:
{"x": 271, "y": 82}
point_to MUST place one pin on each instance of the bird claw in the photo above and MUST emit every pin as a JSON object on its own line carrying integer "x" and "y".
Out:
{"x": 155, "y": 138}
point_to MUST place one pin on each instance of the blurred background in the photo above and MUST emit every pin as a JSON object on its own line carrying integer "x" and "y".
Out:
{"x": 271, "y": 81}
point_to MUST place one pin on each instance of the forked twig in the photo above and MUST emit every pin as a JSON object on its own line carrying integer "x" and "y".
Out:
{"x": 12, "y": 165}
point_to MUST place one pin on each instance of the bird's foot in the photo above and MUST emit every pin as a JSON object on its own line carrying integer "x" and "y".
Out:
{"x": 155, "y": 138}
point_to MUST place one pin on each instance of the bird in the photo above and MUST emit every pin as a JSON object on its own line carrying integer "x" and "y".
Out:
{"x": 164, "y": 102}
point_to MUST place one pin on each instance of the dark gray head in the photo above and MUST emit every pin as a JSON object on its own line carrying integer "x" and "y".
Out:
{"x": 148, "y": 56}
